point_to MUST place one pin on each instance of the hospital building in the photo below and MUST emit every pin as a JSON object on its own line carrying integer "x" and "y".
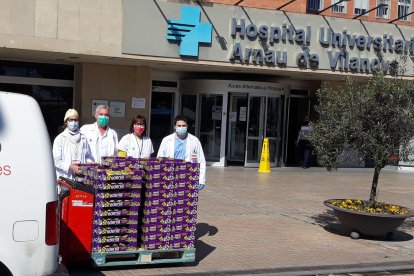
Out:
{"x": 239, "y": 70}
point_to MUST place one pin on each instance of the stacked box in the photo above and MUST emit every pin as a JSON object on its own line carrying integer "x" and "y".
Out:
{"x": 185, "y": 205}
{"x": 158, "y": 203}
{"x": 167, "y": 190}
{"x": 118, "y": 190}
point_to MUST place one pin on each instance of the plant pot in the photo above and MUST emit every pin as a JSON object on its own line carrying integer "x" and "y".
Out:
{"x": 369, "y": 224}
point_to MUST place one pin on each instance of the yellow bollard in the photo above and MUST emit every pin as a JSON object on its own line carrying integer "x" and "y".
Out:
{"x": 265, "y": 158}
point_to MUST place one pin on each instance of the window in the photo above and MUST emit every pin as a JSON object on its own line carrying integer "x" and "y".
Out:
{"x": 313, "y": 6}
{"x": 383, "y": 9}
{"x": 340, "y": 7}
{"x": 404, "y": 8}
{"x": 361, "y": 6}
{"x": 36, "y": 70}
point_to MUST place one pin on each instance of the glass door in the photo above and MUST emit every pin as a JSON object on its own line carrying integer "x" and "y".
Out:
{"x": 162, "y": 116}
{"x": 211, "y": 109}
{"x": 205, "y": 114}
{"x": 264, "y": 120}
{"x": 237, "y": 122}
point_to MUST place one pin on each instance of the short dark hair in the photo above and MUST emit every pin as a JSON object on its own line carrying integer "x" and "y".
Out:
{"x": 180, "y": 118}
{"x": 135, "y": 120}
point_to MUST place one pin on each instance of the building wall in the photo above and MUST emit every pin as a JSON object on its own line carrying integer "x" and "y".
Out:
{"x": 114, "y": 82}
{"x": 68, "y": 26}
{"x": 299, "y": 6}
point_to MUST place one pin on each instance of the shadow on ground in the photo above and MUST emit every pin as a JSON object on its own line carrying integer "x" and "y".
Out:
{"x": 330, "y": 223}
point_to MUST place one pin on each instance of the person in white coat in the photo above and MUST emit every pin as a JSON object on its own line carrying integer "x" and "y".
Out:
{"x": 70, "y": 147}
{"x": 136, "y": 143}
{"x": 182, "y": 145}
{"x": 102, "y": 139}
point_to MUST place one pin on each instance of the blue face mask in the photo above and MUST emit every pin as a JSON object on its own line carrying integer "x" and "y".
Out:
{"x": 103, "y": 121}
{"x": 181, "y": 130}
{"x": 73, "y": 126}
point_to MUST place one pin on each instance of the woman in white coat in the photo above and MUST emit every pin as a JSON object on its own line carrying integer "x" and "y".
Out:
{"x": 136, "y": 144}
{"x": 182, "y": 145}
{"x": 70, "y": 147}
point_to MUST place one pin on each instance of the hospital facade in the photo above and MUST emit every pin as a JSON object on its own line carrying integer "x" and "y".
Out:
{"x": 239, "y": 70}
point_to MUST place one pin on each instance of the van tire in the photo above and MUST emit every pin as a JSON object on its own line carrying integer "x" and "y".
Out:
{"x": 4, "y": 271}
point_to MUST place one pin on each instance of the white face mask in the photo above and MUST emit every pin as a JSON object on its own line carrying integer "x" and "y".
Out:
{"x": 181, "y": 130}
{"x": 73, "y": 126}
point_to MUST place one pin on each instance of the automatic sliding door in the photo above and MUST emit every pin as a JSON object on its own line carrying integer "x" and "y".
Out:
{"x": 255, "y": 125}
{"x": 204, "y": 113}
{"x": 273, "y": 128}
{"x": 211, "y": 125}
{"x": 264, "y": 120}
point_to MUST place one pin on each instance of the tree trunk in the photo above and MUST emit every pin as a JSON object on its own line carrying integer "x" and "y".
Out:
{"x": 373, "y": 195}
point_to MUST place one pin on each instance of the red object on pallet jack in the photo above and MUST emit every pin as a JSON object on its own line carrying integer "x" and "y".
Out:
{"x": 76, "y": 221}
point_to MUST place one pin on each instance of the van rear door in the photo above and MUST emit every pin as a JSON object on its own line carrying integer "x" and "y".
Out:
{"x": 28, "y": 197}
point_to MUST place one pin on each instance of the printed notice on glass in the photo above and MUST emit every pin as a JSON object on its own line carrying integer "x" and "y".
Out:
{"x": 232, "y": 116}
{"x": 243, "y": 114}
{"x": 96, "y": 103}
{"x": 117, "y": 108}
{"x": 138, "y": 102}
{"x": 216, "y": 113}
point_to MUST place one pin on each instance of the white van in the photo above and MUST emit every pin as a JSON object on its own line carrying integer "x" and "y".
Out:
{"x": 29, "y": 222}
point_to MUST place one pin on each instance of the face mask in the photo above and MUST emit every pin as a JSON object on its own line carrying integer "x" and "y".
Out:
{"x": 103, "y": 121}
{"x": 73, "y": 126}
{"x": 139, "y": 130}
{"x": 181, "y": 130}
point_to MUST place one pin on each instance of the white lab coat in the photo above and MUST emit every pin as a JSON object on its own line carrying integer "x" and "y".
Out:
{"x": 130, "y": 145}
{"x": 101, "y": 146}
{"x": 193, "y": 146}
{"x": 62, "y": 154}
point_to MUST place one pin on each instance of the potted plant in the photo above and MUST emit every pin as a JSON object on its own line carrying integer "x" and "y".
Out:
{"x": 376, "y": 120}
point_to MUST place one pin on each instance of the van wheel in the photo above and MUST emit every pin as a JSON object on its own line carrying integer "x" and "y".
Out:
{"x": 4, "y": 270}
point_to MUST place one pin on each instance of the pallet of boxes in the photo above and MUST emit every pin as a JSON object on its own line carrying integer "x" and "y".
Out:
{"x": 145, "y": 210}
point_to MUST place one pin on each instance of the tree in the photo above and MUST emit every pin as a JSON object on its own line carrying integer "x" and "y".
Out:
{"x": 376, "y": 118}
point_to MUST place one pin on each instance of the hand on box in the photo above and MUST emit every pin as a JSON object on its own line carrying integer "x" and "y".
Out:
{"x": 75, "y": 168}
{"x": 201, "y": 186}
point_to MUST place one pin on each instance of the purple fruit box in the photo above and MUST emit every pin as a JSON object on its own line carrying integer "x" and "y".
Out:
{"x": 184, "y": 211}
{"x": 186, "y": 202}
{"x": 115, "y": 247}
{"x": 155, "y": 236}
{"x": 104, "y": 185}
{"x": 158, "y": 210}
{"x": 186, "y": 193}
{"x": 183, "y": 227}
{"x": 116, "y": 212}
{"x": 182, "y": 237}
{"x": 157, "y": 202}
{"x": 184, "y": 219}
{"x": 156, "y": 219}
{"x": 156, "y": 228}
{"x": 186, "y": 184}
{"x": 125, "y": 202}
{"x": 114, "y": 230}
{"x": 119, "y": 175}
{"x": 131, "y": 220}
{"x": 102, "y": 239}
{"x": 159, "y": 245}
{"x": 182, "y": 244}
{"x": 116, "y": 162}
{"x": 118, "y": 194}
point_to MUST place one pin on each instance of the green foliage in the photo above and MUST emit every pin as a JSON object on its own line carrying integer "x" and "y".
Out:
{"x": 376, "y": 118}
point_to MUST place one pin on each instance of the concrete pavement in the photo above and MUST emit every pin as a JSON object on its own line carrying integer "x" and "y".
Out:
{"x": 276, "y": 224}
